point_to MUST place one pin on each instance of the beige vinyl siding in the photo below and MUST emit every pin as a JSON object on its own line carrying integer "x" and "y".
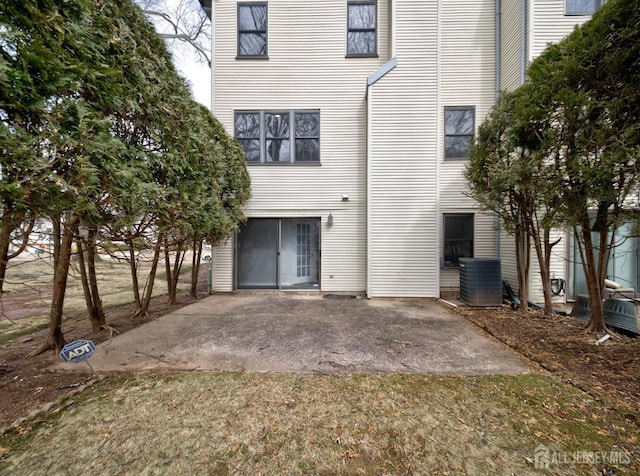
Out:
{"x": 510, "y": 44}
{"x": 307, "y": 69}
{"x": 222, "y": 267}
{"x": 403, "y": 244}
{"x": 508, "y": 259}
{"x": 467, "y": 78}
{"x": 557, "y": 268}
{"x": 549, "y": 24}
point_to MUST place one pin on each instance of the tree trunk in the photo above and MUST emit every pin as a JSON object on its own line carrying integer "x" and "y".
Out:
{"x": 543, "y": 252}
{"x": 133, "y": 266}
{"x": 195, "y": 267}
{"x": 6, "y": 227}
{"x": 522, "y": 265}
{"x": 93, "y": 276}
{"x": 594, "y": 287}
{"x": 55, "y": 339}
{"x": 148, "y": 292}
{"x": 91, "y": 311}
{"x": 169, "y": 275}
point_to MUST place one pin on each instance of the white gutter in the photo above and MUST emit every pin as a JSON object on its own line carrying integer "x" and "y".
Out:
{"x": 523, "y": 40}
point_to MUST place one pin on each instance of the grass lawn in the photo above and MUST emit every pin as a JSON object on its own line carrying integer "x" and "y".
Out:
{"x": 248, "y": 423}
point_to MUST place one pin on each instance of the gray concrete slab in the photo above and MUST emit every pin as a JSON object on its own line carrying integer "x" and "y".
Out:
{"x": 305, "y": 333}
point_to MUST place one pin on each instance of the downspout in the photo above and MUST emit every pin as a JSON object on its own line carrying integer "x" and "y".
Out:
{"x": 392, "y": 28}
{"x": 213, "y": 51}
{"x": 523, "y": 40}
{"x": 498, "y": 27}
{"x": 439, "y": 147}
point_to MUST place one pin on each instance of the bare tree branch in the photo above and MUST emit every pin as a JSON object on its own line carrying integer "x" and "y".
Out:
{"x": 181, "y": 20}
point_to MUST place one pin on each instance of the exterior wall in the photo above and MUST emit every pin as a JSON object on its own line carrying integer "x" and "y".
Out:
{"x": 510, "y": 44}
{"x": 222, "y": 267}
{"x": 508, "y": 259}
{"x": 296, "y": 77}
{"x": 557, "y": 268}
{"x": 546, "y": 23}
{"x": 403, "y": 228}
{"x": 549, "y": 24}
{"x": 467, "y": 78}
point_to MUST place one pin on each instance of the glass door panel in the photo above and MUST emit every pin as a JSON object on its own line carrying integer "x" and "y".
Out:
{"x": 299, "y": 252}
{"x": 257, "y": 254}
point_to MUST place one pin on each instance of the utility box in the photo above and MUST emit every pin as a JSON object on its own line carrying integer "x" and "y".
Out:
{"x": 480, "y": 282}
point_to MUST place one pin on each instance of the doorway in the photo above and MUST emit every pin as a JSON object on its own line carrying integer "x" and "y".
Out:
{"x": 278, "y": 253}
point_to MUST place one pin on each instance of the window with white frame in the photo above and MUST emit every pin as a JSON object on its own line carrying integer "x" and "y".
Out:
{"x": 252, "y": 30}
{"x": 279, "y": 136}
{"x": 459, "y": 124}
{"x": 458, "y": 237}
{"x": 362, "y": 21}
{"x": 582, "y": 7}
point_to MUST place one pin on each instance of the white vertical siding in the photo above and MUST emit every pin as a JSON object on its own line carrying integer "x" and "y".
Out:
{"x": 307, "y": 69}
{"x": 222, "y": 267}
{"x": 557, "y": 268}
{"x": 403, "y": 252}
{"x": 508, "y": 259}
{"x": 467, "y": 78}
{"x": 510, "y": 44}
{"x": 549, "y": 24}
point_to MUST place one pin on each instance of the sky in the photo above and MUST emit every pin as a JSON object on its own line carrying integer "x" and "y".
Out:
{"x": 197, "y": 74}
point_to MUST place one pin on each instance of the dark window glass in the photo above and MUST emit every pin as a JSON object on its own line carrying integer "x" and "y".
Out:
{"x": 458, "y": 132}
{"x": 361, "y": 28}
{"x": 252, "y": 29}
{"x": 458, "y": 237}
{"x": 307, "y": 144}
{"x": 247, "y": 125}
{"x": 277, "y": 137}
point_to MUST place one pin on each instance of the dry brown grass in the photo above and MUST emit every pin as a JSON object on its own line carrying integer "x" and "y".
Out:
{"x": 25, "y": 276}
{"x": 242, "y": 423}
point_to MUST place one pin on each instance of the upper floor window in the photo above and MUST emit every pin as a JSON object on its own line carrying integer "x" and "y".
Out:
{"x": 582, "y": 7}
{"x": 459, "y": 124}
{"x": 279, "y": 136}
{"x": 362, "y": 21}
{"x": 252, "y": 30}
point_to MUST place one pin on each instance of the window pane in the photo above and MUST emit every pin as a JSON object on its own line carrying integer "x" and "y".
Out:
{"x": 251, "y": 148}
{"x": 458, "y": 121}
{"x": 454, "y": 250}
{"x": 277, "y": 125}
{"x": 278, "y": 150}
{"x": 458, "y": 237}
{"x": 307, "y": 124}
{"x": 361, "y": 29}
{"x": 307, "y": 150}
{"x": 457, "y": 147}
{"x": 582, "y": 7}
{"x": 362, "y": 17}
{"x": 252, "y": 30}
{"x": 458, "y": 227}
{"x": 252, "y": 44}
{"x": 252, "y": 18}
{"x": 247, "y": 125}
{"x": 362, "y": 43}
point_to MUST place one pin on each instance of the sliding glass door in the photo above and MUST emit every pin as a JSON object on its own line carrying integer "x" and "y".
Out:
{"x": 278, "y": 253}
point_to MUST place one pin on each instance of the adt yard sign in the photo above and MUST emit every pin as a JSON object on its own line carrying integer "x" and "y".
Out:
{"x": 77, "y": 351}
